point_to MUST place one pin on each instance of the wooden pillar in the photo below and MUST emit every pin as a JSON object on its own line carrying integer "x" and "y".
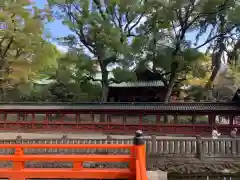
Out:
{"x": 61, "y": 119}
{"x": 78, "y": 118}
{"x": 141, "y": 120}
{"x": 5, "y": 117}
{"x": 231, "y": 117}
{"x": 124, "y": 118}
{"x": 92, "y": 117}
{"x": 175, "y": 119}
{"x": 166, "y": 120}
{"x": 33, "y": 120}
{"x": 158, "y": 118}
{"x": 211, "y": 119}
{"x": 47, "y": 119}
{"x": 194, "y": 119}
{"x": 109, "y": 118}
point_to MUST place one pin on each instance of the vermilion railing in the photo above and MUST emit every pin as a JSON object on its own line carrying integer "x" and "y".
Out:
{"x": 136, "y": 160}
{"x": 140, "y": 155}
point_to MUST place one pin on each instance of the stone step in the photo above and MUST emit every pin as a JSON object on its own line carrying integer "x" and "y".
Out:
{"x": 157, "y": 175}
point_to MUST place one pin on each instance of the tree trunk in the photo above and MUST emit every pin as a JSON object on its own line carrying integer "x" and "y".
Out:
{"x": 104, "y": 93}
{"x": 174, "y": 69}
{"x": 2, "y": 81}
{"x": 2, "y": 93}
{"x": 173, "y": 76}
{"x": 170, "y": 90}
{"x": 216, "y": 58}
{"x": 167, "y": 97}
{"x": 212, "y": 77}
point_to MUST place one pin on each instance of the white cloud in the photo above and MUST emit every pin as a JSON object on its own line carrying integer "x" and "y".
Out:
{"x": 62, "y": 49}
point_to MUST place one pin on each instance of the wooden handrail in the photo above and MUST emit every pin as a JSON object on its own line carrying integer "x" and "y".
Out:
{"x": 68, "y": 146}
{"x": 136, "y": 160}
{"x": 72, "y": 158}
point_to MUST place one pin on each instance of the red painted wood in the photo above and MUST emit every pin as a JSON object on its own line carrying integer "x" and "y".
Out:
{"x": 113, "y": 127}
{"x": 28, "y": 121}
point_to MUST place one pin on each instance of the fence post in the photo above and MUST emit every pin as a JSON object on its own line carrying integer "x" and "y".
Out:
{"x": 234, "y": 147}
{"x": 200, "y": 147}
{"x": 137, "y": 141}
{"x": 18, "y": 140}
{"x": 140, "y": 154}
{"x": 139, "y": 144}
{"x": 138, "y": 138}
{"x": 64, "y": 139}
{"x": 154, "y": 144}
{"x": 109, "y": 139}
{"x": 238, "y": 146}
{"x": 18, "y": 165}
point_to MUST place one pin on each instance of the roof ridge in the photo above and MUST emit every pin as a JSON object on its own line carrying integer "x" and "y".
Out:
{"x": 150, "y": 108}
{"x": 138, "y": 83}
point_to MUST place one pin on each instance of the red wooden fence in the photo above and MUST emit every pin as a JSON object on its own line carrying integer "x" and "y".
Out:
{"x": 157, "y": 118}
{"x": 136, "y": 160}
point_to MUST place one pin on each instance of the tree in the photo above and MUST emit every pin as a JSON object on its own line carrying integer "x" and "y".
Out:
{"x": 104, "y": 32}
{"x": 124, "y": 34}
{"x": 23, "y": 51}
{"x": 123, "y": 74}
{"x": 163, "y": 35}
{"x": 73, "y": 79}
{"x": 224, "y": 25}
{"x": 227, "y": 83}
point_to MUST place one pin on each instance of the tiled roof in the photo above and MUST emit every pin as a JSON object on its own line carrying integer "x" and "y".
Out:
{"x": 138, "y": 84}
{"x": 128, "y": 107}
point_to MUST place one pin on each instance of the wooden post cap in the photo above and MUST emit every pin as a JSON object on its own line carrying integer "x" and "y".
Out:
{"x": 138, "y": 138}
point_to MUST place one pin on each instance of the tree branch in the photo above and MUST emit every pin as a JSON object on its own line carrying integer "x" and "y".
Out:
{"x": 3, "y": 55}
{"x": 1, "y": 43}
{"x": 214, "y": 37}
{"x": 113, "y": 80}
{"x": 129, "y": 29}
{"x": 93, "y": 79}
{"x": 100, "y": 9}
{"x": 80, "y": 33}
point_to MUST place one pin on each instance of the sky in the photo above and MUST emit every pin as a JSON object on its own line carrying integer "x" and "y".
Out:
{"x": 56, "y": 28}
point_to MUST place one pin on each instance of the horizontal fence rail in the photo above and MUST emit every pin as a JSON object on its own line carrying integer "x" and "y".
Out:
{"x": 135, "y": 157}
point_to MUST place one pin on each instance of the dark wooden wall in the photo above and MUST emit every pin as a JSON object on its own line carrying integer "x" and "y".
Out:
{"x": 137, "y": 94}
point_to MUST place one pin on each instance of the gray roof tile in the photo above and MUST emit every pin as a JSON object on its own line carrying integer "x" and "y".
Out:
{"x": 136, "y": 107}
{"x": 138, "y": 84}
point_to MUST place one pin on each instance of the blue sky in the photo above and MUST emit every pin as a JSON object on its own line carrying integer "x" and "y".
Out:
{"x": 56, "y": 27}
